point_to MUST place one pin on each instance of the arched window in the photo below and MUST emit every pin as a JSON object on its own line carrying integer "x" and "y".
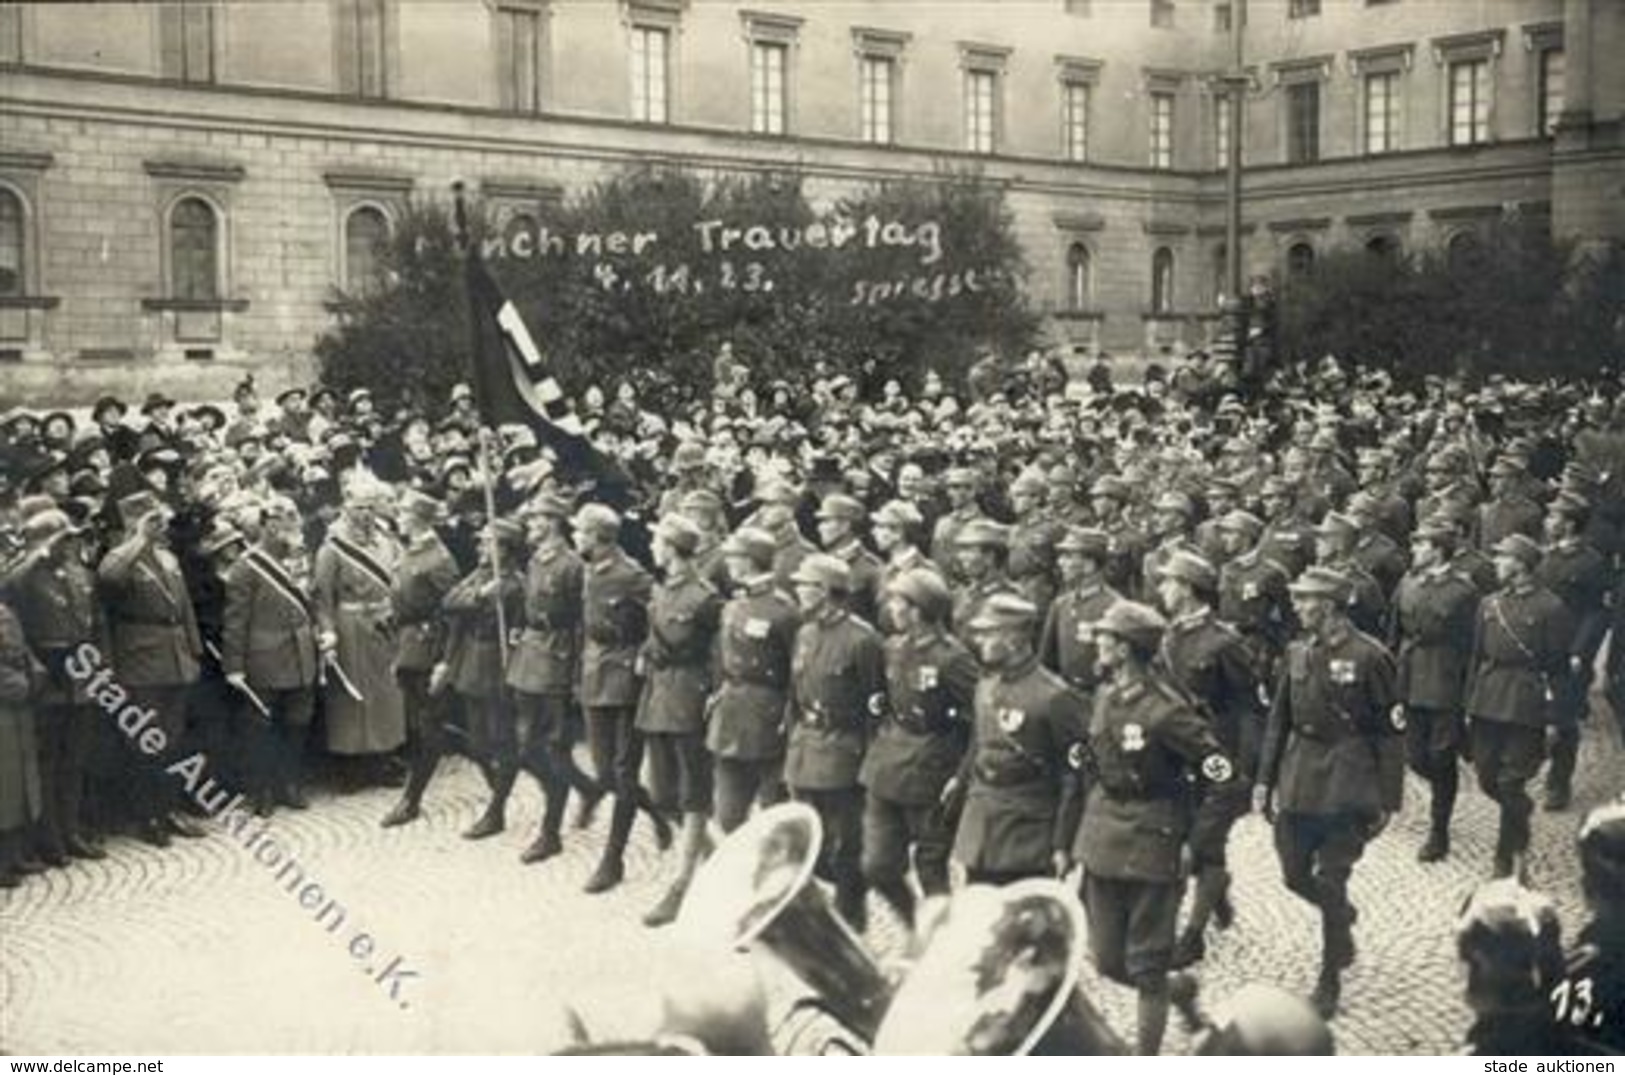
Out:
{"x": 1300, "y": 259}
{"x": 366, "y": 230}
{"x": 1079, "y": 277}
{"x": 1383, "y": 246}
{"x": 1463, "y": 251}
{"x": 194, "y": 250}
{"x": 11, "y": 244}
{"x": 1162, "y": 281}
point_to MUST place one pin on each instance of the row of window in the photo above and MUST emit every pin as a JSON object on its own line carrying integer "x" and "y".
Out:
{"x": 194, "y": 248}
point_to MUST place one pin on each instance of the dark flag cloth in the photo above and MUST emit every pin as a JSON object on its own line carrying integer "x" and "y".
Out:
{"x": 513, "y": 384}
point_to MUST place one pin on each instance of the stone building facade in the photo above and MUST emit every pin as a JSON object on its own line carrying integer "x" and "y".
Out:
{"x": 182, "y": 185}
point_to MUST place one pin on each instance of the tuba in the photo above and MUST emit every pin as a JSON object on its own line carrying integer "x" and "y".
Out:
{"x": 999, "y": 977}
{"x": 757, "y": 892}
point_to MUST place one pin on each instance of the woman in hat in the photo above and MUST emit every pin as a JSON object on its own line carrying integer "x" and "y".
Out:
{"x": 353, "y": 579}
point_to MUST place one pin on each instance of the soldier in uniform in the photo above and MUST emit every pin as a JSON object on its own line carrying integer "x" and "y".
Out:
{"x": 744, "y": 731}
{"x": 1288, "y": 536}
{"x": 1509, "y": 509}
{"x": 1173, "y": 517}
{"x": 791, "y": 548}
{"x": 155, "y": 649}
{"x": 269, "y": 651}
{"x": 839, "y": 517}
{"x": 1032, "y": 540}
{"x": 1208, "y": 660}
{"x": 1377, "y": 554}
{"x": 983, "y": 546}
{"x": 425, "y": 574}
{"x": 676, "y": 662}
{"x": 1588, "y": 1002}
{"x": 1576, "y": 572}
{"x": 615, "y": 621}
{"x": 1253, "y": 594}
{"x": 542, "y": 668}
{"x": 1145, "y": 745}
{"x": 1067, "y": 644}
{"x": 897, "y": 526}
{"x": 1521, "y": 647}
{"x": 1332, "y": 769}
{"x": 960, "y": 485}
{"x": 705, "y": 508}
{"x": 1018, "y": 772}
{"x": 1435, "y": 608}
{"x": 931, "y": 683}
{"x": 1447, "y": 485}
{"x": 1335, "y": 539}
{"x": 54, "y": 597}
{"x": 837, "y": 689}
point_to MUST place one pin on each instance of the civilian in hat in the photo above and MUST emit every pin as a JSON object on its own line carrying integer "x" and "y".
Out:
{"x": 423, "y": 577}
{"x": 754, "y": 649}
{"x": 1580, "y": 575}
{"x": 1435, "y": 608}
{"x": 269, "y": 651}
{"x": 676, "y": 658}
{"x": 690, "y": 470}
{"x": 960, "y": 487}
{"x": 1145, "y": 744}
{"x": 53, "y": 595}
{"x": 108, "y": 413}
{"x": 982, "y": 549}
{"x": 293, "y": 419}
{"x": 615, "y": 622}
{"x": 840, "y": 519}
{"x": 479, "y": 608}
{"x": 21, "y": 795}
{"x": 353, "y": 582}
{"x": 1067, "y": 643}
{"x": 324, "y": 410}
{"x": 920, "y": 744}
{"x": 1017, "y": 772}
{"x": 1210, "y": 662}
{"x": 1330, "y": 775}
{"x": 837, "y": 688}
{"x": 48, "y": 475}
{"x": 56, "y": 431}
{"x": 155, "y": 649}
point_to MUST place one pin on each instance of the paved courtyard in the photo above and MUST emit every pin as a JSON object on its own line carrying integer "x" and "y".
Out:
{"x": 200, "y": 949}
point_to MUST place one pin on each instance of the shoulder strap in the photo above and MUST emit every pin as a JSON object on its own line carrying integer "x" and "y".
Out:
{"x": 361, "y": 559}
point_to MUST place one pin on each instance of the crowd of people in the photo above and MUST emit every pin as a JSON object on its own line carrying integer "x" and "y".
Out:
{"x": 1049, "y": 630}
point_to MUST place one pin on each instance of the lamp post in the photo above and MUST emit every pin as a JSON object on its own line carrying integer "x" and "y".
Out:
{"x": 1234, "y": 310}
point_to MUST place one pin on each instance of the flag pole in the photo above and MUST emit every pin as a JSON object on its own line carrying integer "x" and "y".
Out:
{"x": 486, "y": 434}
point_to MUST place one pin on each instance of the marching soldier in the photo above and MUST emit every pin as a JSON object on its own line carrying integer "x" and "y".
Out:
{"x": 983, "y": 545}
{"x": 745, "y": 732}
{"x": 542, "y": 668}
{"x": 791, "y": 548}
{"x": 837, "y": 688}
{"x": 1253, "y": 594}
{"x": 615, "y": 621}
{"x": 1331, "y": 772}
{"x": 1017, "y": 772}
{"x": 1173, "y": 517}
{"x": 676, "y": 660}
{"x": 1288, "y": 537}
{"x": 54, "y": 597}
{"x": 1377, "y": 554}
{"x": 839, "y": 517}
{"x": 425, "y": 575}
{"x": 1521, "y": 647}
{"x": 931, "y": 683}
{"x": 1435, "y": 608}
{"x": 897, "y": 526}
{"x": 1145, "y": 745}
{"x": 1032, "y": 540}
{"x": 1125, "y": 541}
{"x": 1335, "y": 539}
{"x": 1576, "y": 572}
{"x": 155, "y": 649}
{"x": 269, "y": 652}
{"x": 472, "y": 665}
{"x": 1209, "y": 661}
{"x": 1508, "y": 510}
{"x": 1067, "y": 644}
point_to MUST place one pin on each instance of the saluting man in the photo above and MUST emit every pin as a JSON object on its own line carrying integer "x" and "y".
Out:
{"x": 269, "y": 650}
{"x": 931, "y": 683}
{"x": 1018, "y": 771}
{"x": 837, "y": 690}
{"x": 1332, "y": 769}
{"x": 1145, "y": 745}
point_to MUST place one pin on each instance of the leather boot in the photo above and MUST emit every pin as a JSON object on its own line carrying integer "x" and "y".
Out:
{"x": 1152, "y": 1022}
{"x": 612, "y": 868}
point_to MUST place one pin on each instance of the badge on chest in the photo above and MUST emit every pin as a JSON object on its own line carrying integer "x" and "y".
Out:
{"x": 756, "y": 627}
{"x": 1249, "y": 591}
{"x": 1343, "y": 671}
{"x": 1011, "y": 720}
{"x": 927, "y": 680}
{"x": 1133, "y": 740}
{"x": 1086, "y": 632}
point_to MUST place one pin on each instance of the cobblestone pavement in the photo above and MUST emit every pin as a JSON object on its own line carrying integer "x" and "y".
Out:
{"x": 199, "y": 948}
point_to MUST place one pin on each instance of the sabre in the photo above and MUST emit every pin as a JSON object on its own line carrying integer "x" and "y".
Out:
{"x": 344, "y": 680}
{"x": 259, "y": 703}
